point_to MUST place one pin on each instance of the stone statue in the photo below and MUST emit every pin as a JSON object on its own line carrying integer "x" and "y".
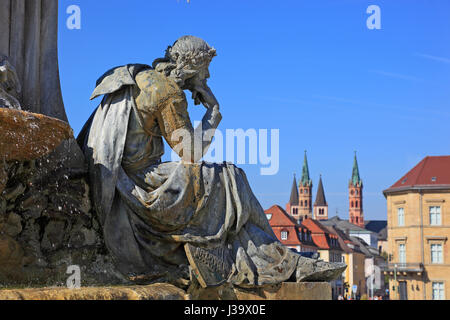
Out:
{"x": 178, "y": 220}
{"x": 9, "y": 85}
{"x": 28, "y": 36}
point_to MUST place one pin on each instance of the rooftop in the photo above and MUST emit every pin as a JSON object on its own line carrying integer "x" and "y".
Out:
{"x": 375, "y": 225}
{"x": 343, "y": 225}
{"x": 279, "y": 217}
{"x": 321, "y": 234}
{"x": 431, "y": 172}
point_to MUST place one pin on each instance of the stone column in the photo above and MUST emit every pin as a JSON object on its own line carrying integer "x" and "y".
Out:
{"x": 28, "y": 35}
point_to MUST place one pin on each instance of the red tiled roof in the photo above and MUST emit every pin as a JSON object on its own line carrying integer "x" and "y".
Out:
{"x": 282, "y": 221}
{"x": 433, "y": 171}
{"x": 320, "y": 233}
{"x": 279, "y": 217}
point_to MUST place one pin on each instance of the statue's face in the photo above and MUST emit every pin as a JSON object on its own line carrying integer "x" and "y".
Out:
{"x": 198, "y": 80}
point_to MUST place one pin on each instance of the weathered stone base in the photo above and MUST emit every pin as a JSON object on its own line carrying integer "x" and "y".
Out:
{"x": 282, "y": 291}
{"x": 289, "y": 291}
{"x": 158, "y": 291}
{"x": 164, "y": 291}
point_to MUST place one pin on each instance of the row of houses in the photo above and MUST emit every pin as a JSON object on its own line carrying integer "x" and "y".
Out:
{"x": 335, "y": 240}
{"x": 306, "y": 228}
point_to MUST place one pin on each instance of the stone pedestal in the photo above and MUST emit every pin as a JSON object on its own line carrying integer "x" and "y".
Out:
{"x": 46, "y": 219}
{"x": 158, "y": 291}
{"x": 282, "y": 291}
{"x": 164, "y": 291}
{"x": 289, "y": 291}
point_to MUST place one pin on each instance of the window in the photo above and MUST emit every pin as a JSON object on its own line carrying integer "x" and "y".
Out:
{"x": 402, "y": 253}
{"x": 436, "y": 253}
{"x": 401, "y": 216}
{"x": 306, "y": 191}
{"x": 435, "y": 216}
{"x": 284, "y": 235}
{"x": 438, "y": 291}
{"x": 356, "y": 204}
{"x": 269, "y": 216}
{"x": 306, "y": 203}
{"x": 352, "y": 205}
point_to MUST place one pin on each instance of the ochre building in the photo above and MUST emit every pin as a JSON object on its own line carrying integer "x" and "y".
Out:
{"x": 418, "y": 208}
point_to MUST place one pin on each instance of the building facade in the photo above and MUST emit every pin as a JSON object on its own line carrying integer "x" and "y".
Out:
{"x": 354, "y": 258}
{"x": 329, "y": 249}
{"x": 418, "y": 207}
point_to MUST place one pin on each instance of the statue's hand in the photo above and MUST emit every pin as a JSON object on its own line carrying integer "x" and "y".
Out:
{"x": 204, "y": 95}
{"x": 201, "y": 93}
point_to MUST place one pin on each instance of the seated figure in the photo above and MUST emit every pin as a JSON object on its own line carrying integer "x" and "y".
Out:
{"x": 166, "y": 221}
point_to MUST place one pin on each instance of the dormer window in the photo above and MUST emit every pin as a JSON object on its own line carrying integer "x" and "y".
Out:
{"x": 284, "y": 235}
{"x": 269, "y": 216}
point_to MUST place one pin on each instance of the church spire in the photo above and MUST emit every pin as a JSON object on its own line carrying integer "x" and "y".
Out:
{"x": 293, "y": 200}
{"x": 320, "y": 197}
{"x": 306, "y": 180}
{"x": 320, "y": 205}
{"x": 356, "y": 179}
{"x": 355, "y": 188}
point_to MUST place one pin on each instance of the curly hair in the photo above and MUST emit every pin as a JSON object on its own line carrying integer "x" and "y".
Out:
{"x": 184, "y": 58}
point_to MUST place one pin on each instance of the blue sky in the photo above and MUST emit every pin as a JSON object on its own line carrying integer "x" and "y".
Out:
{"x": 311, "y": 69}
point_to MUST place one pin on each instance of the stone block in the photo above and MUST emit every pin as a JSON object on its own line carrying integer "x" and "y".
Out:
{"x": 28, "y": 136}
{"x": 282, "y": 291}
{"x": 158, "y": 291}
{"x": 288, "y": 291}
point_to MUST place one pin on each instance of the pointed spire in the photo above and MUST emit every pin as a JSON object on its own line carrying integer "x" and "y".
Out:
{"x": 293, "y": 201}
{"x": 320, "y": 197}
{"x": 356, "y": 179}
{"x": 306, "y": 181}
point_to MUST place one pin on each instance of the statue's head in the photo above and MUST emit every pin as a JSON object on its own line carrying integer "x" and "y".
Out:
{"x": 189, "y": 57}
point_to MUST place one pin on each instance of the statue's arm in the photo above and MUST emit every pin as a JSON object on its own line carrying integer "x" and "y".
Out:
{"x": 178, "y": 131}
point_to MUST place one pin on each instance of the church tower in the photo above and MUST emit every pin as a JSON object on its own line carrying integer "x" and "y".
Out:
{"x": 320, "y": 205}
{"x": 305, "y": 190}
{"x": 292, "y": 206}
{"x": 355, "y": 189}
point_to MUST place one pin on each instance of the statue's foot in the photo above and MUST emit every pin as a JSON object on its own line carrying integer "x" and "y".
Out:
{"x": 318, "y": 270}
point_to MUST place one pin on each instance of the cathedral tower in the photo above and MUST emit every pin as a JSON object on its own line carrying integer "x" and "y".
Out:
{"x": 305, "y": 190}
{"x": 355, "y": 189}
{"x": 320, "y": 205}
{"x": 292, "y": 206}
